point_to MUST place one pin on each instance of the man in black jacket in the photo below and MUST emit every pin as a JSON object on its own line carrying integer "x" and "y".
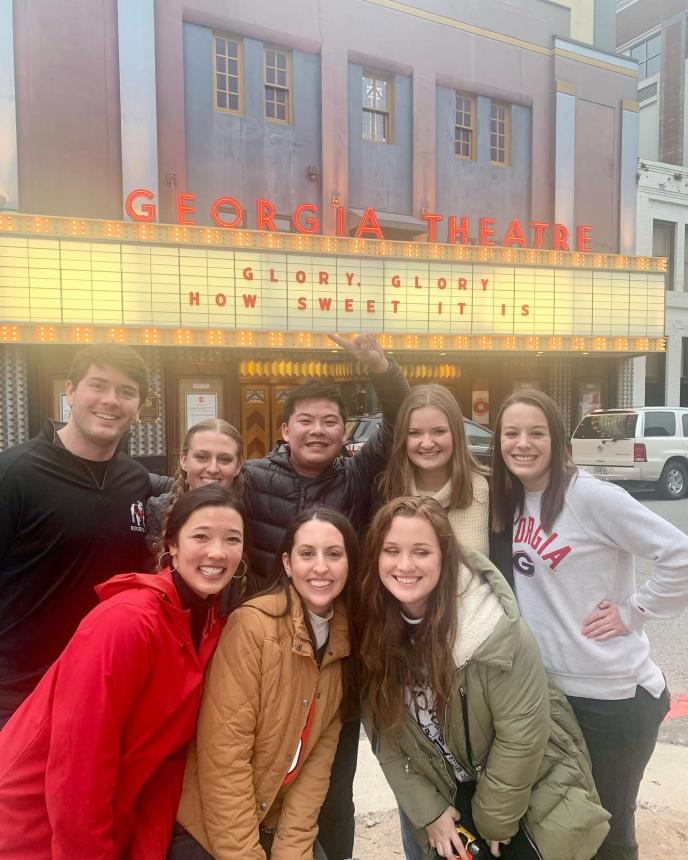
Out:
{"x": 309, "y": 469}
{"x": 72, "y": 516}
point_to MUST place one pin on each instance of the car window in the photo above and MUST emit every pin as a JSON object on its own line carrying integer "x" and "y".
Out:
{"x": 476, "y": 434}
{"x": 609, "y": 425}
{"x": 684, "y": 419}
{"x": 362, "y": 430}
{"x": 660, "y": 424}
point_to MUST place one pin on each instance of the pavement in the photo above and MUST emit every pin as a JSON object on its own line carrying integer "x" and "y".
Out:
{"x": 662, "y": 817}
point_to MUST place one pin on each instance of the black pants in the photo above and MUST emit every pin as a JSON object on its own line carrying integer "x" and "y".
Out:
{"x": 185, "y": 847}
{"x": 621, "y": 735}
{"x": 520, "y": 847}
{"x": 336, "y": 821}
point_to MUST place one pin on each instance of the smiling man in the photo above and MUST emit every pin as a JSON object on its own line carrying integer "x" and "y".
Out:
{"x": 72, "y": 516}
{"x": 309, "y": 468}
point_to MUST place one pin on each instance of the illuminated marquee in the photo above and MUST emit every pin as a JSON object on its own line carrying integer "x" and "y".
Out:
{"x": 115, "y": 283}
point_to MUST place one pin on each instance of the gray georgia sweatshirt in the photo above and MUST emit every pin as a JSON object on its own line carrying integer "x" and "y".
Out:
{"x": 561, "y": 576}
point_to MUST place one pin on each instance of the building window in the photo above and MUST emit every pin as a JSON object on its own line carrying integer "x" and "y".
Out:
{"x": 377, "y": 97}
{"x": 277, "y": 85}
{"x": 663, "y": 246}
{"x": 648, "y": 53}
{"x": 464, "y": 126}
{"x": 227, "y": 52}
{"x": 500, "y": 133}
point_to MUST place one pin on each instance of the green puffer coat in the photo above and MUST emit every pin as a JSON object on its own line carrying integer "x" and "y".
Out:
{"x": 529, "y": 759}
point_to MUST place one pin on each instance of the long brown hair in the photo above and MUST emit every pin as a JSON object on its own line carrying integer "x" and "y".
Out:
{"x": 390, "y": 661}
{"x": 507, "y": 489}
{"x": 397, "y": 480}
{"x": 279, "y": 582}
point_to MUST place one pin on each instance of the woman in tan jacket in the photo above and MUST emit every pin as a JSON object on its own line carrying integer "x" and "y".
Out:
{"x": 272, "y": 707}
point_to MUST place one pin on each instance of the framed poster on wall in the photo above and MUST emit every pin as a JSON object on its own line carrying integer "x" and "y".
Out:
{"x": 199, "y": 406}
{"x": 480, "y": 407}
{"x": 589, "y": 398}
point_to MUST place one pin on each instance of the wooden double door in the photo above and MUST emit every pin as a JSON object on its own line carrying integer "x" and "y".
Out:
{"x": 262, "y": 405}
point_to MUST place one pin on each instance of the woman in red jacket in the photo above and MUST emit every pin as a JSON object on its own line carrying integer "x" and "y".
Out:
{"x": 91, "y": 765}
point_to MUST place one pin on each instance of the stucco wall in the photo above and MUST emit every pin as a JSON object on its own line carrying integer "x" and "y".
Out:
{"x": 68, "y": 108}
{"x": 248, "y": 157}
{"x": 477, "y": 187}
{"x": 381, "y": 174}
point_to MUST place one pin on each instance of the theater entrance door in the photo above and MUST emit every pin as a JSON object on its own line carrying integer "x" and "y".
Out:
{"x": 262, "y": 404}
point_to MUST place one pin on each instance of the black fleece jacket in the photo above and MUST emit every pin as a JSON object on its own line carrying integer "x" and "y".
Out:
{"x": 274, "y": 492}
{"x": 61, "y": 533}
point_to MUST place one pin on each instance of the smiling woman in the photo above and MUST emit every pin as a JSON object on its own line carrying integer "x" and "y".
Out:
{"x": 457, "y": 705}
{"x": 277, "y": 690}
{"x": 92, "y": 763}
{"x": 568, "y": 544}
{"x": 211, "y": 453}
{"x": 430, "y": 457}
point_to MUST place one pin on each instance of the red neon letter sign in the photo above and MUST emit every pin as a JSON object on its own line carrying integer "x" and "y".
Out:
{"x": 216, "y": 215}
{"x": 147, "y": 211}
{"x": 183, "y": 198}
{"x": 311, "y": 225}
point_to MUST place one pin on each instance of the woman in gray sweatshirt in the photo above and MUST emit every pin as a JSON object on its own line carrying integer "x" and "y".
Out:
{"x": 571, "y": 542}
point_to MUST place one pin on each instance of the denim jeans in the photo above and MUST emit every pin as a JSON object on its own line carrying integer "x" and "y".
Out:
{"x": 621, "y": 735}
{"x": 412, "y": 850}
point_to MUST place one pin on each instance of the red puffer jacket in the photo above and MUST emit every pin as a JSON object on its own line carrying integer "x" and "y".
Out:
{"x": 91, "y": 765}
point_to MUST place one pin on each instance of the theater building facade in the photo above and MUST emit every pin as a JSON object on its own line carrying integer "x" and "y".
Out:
{"x": 223, "y": 188}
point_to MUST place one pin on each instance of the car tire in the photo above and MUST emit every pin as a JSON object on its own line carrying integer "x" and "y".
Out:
{"x": 673, "y": 482}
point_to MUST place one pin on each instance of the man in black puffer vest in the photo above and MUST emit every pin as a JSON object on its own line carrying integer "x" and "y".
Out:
{"x": 308, "y": 469}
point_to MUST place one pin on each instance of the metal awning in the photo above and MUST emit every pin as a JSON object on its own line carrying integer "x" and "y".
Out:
{"x": 390, "y": 221}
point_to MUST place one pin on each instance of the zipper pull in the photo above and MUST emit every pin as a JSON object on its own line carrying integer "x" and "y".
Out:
{"x": 406, "y": 764}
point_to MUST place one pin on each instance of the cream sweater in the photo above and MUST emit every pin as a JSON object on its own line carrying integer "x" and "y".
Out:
{"x": 471, "y": 524}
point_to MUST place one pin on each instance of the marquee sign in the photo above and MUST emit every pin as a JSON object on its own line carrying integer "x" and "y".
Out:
{"x": 228, "y": 213}
{"x": 135, "y": 284}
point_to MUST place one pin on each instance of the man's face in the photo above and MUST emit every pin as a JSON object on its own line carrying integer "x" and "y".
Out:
{"x": 104, "y": 405}
{"x": 315, "y": 432}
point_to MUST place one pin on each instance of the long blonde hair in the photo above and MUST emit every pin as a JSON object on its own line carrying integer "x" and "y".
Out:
{"x": 398, "y": 477}
{"x": 181, "y": 484}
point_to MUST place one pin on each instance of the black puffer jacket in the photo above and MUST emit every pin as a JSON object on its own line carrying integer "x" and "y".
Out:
{"x": 275, "y": 492}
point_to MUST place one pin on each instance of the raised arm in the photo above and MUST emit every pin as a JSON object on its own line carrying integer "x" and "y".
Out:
{"x": 390, "y": 387}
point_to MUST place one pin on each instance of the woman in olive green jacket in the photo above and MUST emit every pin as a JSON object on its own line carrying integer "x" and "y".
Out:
{"x": 474, "y": 725}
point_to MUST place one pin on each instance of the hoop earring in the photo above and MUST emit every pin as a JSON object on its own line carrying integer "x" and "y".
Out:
{"x": 173, "y": 569}
{"x": 243, "y": 572}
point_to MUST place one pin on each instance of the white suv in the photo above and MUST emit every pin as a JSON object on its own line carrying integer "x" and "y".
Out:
{"x": 646, "y": 445}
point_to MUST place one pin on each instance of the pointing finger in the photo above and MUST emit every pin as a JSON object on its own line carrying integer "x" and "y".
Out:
{"x": 341, "y": 341}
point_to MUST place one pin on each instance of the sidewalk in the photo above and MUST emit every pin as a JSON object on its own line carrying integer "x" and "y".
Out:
{"x": 662, "y": 818}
